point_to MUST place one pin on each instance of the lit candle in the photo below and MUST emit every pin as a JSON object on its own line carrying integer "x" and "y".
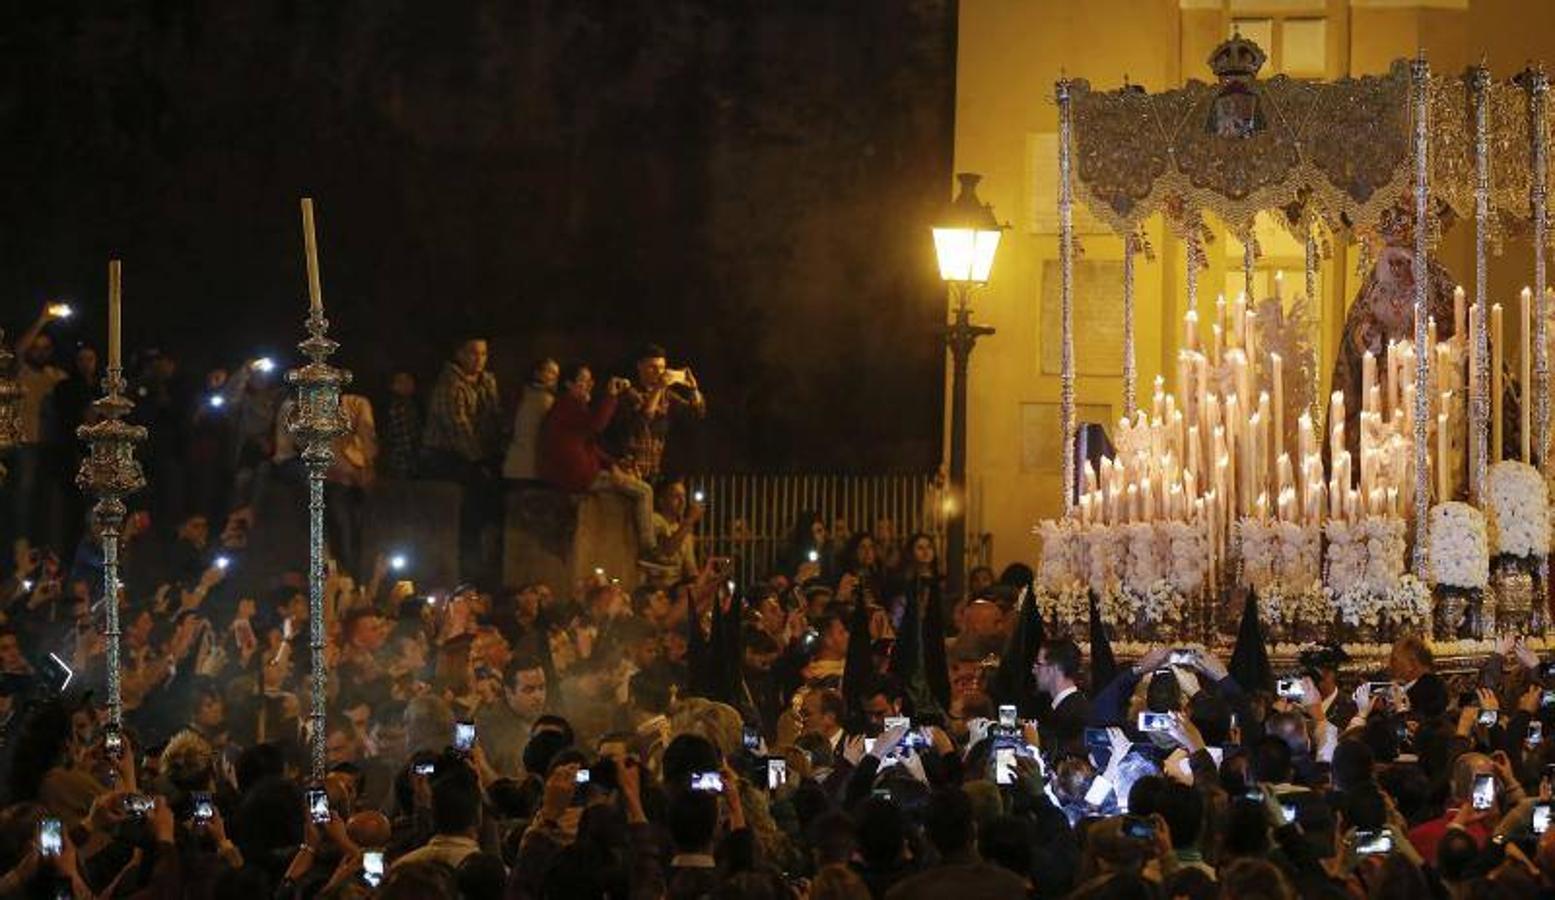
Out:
{"x": 1335, "y": 424}
{"x": 1278, "y": 367}
{"x": 1497, "y": 330}
{"x": 1190, "y": 322}
{"x": 311, "y": 247}
{"x": 1443, "y": 493}
{"x": 1459, "y": 332}
{"x": 1368, "y": 379}
{"x": 115, "y": 292}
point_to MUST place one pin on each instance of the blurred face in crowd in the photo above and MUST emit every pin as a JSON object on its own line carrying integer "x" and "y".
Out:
{"x": 650, "y": 371}
{"x": 835, "y": 641}
{"x": 139, "y": 632}
{"x": 878, "y": 707}
{"x": 86, "y": 362}
{"x": 1403, "y": 664}
{"x": 492, "y": 649}
{"x": 581, "y": 388}
{"x": 923, "y": 551}
{"x": 41, "y": 351}
{"x": 196, "y": 531}
{"x": 981, "y": 618}
{"x": 563, "y": 653}
{"x": 402, "y": 384}
{"x": 672, "y": 500}
{"x": 980, "y": 579}
{"x": 547, "y": 373}
{"x": 527, "y": 604}
{"x": 471, "y": 357}
{"x": 1050, "y": 678}
{"x": 674, "y": 644}
{"x": 341, "y": 747}
{"x": 646, "y": 652}
{"x": 759, "y": 662}
{"x": 815, "y": 721}
{"x": 210, "y": 712}
{"x": 369, "y": 633}
{"x": 771, "y": 615}
{"x": 526, "y": 696}
{"x": 865, "y": 554}
{"x": 11, "y": 659}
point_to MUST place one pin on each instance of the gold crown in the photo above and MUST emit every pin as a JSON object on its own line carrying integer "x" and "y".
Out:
{"x": 1237, "y": 57}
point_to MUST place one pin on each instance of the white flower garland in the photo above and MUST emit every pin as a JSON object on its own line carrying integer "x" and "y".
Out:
{"x": 1460, "y": 548}
{"x": 1143, "y": 567}
{"x": 1517, "y": 501}
{"x": 1062, "y": 561}
{"x": 1406, "y": 605}
{"x": 1187, "y": 555}
{"x": 1069, "y": 606}
{"x": 1105, "y": 548}
{"x": 1279, "y": 557}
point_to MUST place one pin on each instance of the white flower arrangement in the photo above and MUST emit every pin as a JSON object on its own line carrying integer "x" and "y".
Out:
{"x": 1300, "y": 555}
{"x": 1104, "y": 557}
{"x": 1291, "y": 608}
{"x": 1187, "y": 555}
{"x": 1384, "y": 553}
{"x": 1068, "y": 606}
{"x": 1460, "y": 548}
{"x": 1158, "y": 605}
{"x": 1062, "y": 561}
{"x": 1406, "y": 605}
{"x": 1143, "y": 567}
{"x": 1346, "y": 556}
{"x": 1259, "y": 554}
{"x": 1517, "y": 501}
{"x": 1410, "y": 607}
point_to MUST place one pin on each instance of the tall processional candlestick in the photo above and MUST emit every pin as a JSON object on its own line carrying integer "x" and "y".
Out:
{"x": 110, "y": 473}
{"x": 316, "y": 421}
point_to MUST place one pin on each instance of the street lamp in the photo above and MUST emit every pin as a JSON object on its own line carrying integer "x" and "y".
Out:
{"x": 965, "y": 240}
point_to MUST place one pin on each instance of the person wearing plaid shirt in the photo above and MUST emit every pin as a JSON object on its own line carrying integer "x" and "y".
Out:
{"x": 464, "y": 428}
{"x": 642, "y": 420}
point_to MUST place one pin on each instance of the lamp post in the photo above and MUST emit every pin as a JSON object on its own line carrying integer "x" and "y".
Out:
{"x": 965, "y": 239}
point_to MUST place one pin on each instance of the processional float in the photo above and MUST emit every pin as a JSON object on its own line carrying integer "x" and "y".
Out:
{"x": 1236, "y": 481}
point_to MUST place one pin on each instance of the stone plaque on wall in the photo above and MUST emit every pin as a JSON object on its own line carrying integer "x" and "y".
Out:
{"x": 1041, "y": 433}
{"x": 1098, "y": 318}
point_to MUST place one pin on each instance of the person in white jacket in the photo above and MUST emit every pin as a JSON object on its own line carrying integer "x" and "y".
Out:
{"x": 539, "y": 394}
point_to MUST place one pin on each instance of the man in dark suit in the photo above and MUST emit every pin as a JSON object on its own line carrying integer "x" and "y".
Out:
{"x": 1062, "y": 728}
{"x": 1321, "y": 664}
{"x": 1414, "y": 668}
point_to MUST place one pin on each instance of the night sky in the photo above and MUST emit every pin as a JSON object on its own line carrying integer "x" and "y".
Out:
{"x": 748, "y": 183}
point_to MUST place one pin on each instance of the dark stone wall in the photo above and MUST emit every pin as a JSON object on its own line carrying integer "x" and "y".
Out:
{"x": 746, "y": 181}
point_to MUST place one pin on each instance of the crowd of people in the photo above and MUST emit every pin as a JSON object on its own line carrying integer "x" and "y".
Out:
{"x": 216, "y": 442}
{"x": 840, "y": 728}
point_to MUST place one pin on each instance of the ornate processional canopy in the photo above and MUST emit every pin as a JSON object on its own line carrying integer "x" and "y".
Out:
{"x": 1339, "y": 152}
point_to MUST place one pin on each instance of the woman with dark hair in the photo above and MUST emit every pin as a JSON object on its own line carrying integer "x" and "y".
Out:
{"x": 48, "y": 765}
{"x": 860, "y": 558}
{"x": 807, "y": 542}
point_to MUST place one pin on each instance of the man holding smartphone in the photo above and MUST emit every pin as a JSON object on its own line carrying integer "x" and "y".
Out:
{"x": 642, "y": 421}
{"x": 1471, "y": 774}
{"x": 1062, "y": 726}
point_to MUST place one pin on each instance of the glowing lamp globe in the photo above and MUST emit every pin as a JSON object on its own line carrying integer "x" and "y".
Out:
{"x": 967, "y": 236}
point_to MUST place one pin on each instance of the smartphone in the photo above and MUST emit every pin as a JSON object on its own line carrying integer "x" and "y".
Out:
{"x": 1154, "y": 721}
{"x": 1008, "y": 716}
{"x": 897, "y": 722}
{"x": 1484, "y": 791}
{"x": 869, "y": 745}
{"x": 752, "y": 739}
{"x": 1547, "y": 699}
{"x": 138, "y": 805}
{"x": 1541, "y": 816}
{"x": 372, "y": 867}
{"x": 1488, "y": 717}
{"x": 708, "y": 782}
{"x": 51, "y": 837}
{"x": 1373, "y": 843}
{"x": 1535, "y": 732}
{"x": 426, "y": 769}
{"x": 813, "y": 556}
{"x": 318, "y": 805}
{"x": 1287, "y": 811}
{"x": 777, "y": 772}
{"x": 204, "y": 809}
{"x": 1255, "y": 795}
{"x": 580, "y": 787}
{"x": 1004, "y": 765}
{"x": 1139, "y": 827}
{"x": 1381, "y": 690}
{"x": 1288, "y": 688}
{"x": 1181, "y": 658}
{"x": 464, "y": 736}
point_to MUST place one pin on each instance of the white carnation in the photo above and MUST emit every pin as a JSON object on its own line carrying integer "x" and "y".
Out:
{"x": 1460, "y": 549}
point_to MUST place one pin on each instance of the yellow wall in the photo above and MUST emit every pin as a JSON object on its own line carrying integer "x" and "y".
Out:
{"x": 1011, "y": 52}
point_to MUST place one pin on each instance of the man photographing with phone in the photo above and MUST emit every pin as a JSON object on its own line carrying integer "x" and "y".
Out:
{"x": 642, "y": 420}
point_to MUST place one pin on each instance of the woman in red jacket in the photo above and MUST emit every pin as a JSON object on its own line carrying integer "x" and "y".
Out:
{"x": 571, "y": 457}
